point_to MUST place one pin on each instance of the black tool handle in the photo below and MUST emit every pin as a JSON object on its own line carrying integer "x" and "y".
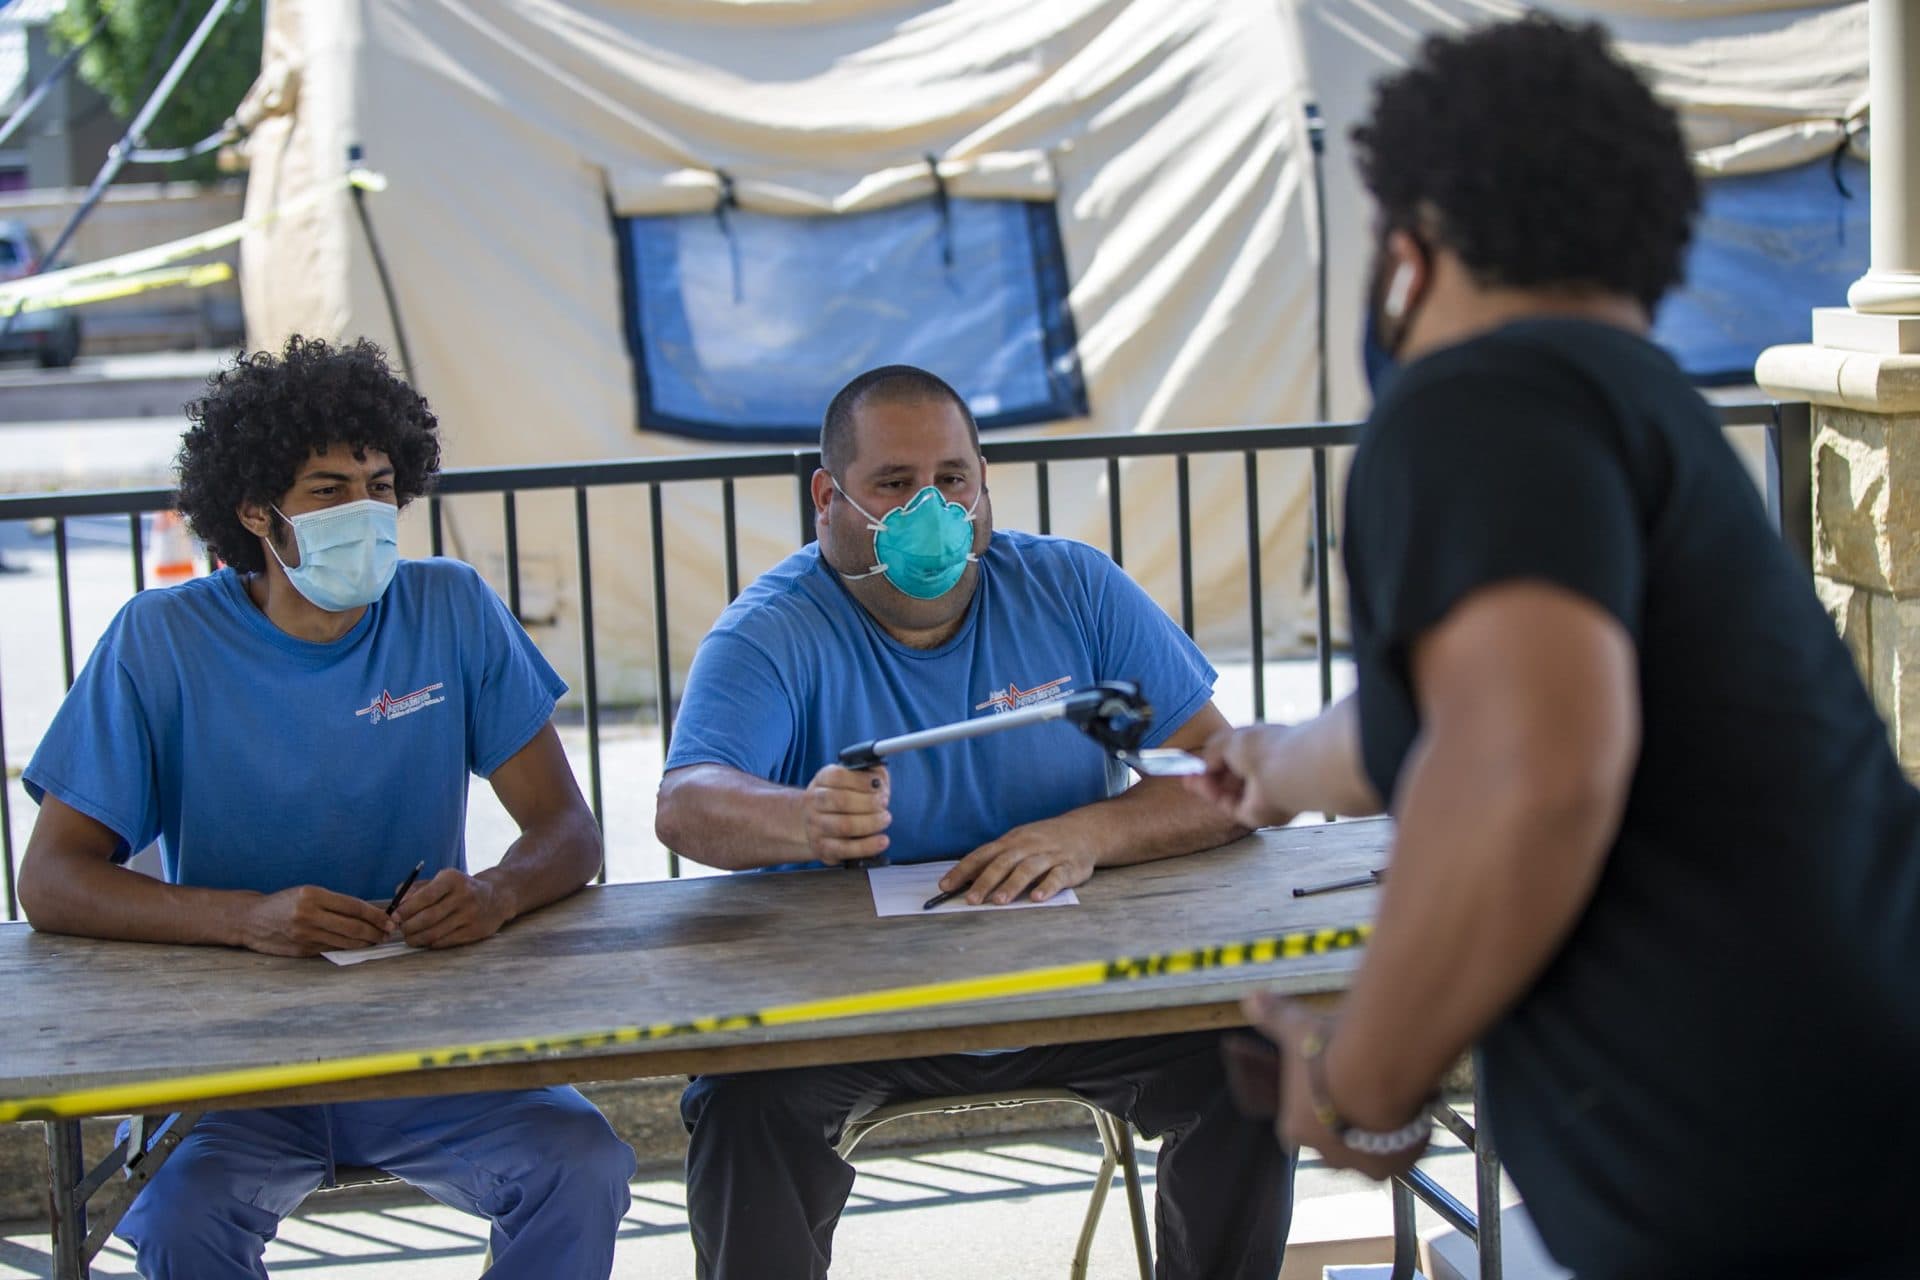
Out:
{"x": 861, "y": 755}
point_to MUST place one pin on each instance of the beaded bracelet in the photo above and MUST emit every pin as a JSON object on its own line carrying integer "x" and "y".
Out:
{"x": 1392, "y": 1142}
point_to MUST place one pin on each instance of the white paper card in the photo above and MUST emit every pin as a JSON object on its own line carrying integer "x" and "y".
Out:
{"x": 1164, "y": 762}
{"x": 904, "y": 890}
{"x": 384, "y": 951}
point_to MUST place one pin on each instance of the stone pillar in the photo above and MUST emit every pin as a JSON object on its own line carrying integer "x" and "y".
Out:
{"x": 1861, "y": 373}
{"x": 1866, "y": 512}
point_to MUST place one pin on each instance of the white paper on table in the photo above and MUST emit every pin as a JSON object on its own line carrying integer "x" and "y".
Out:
{"x": 904, "y": 890}
{"x": 383, "y": 951}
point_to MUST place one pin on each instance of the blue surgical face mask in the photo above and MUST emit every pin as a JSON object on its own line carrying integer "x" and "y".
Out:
{"x": 347, "y": 553}
{"x": 1379, "y": 363}
{"x": 922, "y": 547}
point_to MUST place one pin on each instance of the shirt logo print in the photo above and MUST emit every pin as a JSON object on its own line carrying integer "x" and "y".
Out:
{"x": 388, "y": 707}
{"x": 1013, "y": 697}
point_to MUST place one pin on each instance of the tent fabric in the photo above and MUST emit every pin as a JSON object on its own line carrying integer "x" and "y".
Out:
{"x": 1025, "y": 175}
{"x": 1168, "y": 133}
{"x": 1171, "y": 134}
{"x": 1764, "y": 244}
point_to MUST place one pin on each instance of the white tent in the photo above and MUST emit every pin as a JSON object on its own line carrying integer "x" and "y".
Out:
{"x": 1170, "y": 134}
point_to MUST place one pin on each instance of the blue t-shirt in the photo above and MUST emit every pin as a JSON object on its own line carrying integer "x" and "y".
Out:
{"x": 796, "y": 669}
{"x": 262, "y": 761}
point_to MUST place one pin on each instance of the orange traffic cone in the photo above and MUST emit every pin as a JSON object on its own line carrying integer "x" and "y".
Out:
{"x": 173, "y": 558}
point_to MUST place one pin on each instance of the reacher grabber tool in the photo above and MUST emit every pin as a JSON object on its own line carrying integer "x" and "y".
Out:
{"x": 1113, "y": 713}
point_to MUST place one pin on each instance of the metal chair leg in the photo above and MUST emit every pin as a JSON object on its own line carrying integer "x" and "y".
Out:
{"x": 1116, "y": 1145}
{"x": 1103, "y": 1181}
{"x": 1136, "y": 1202}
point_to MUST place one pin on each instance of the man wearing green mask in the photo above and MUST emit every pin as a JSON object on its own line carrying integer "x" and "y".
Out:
{"x": 912, "y": 611}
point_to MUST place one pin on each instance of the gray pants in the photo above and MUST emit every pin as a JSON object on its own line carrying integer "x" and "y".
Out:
{"x": 765, "y": 1187}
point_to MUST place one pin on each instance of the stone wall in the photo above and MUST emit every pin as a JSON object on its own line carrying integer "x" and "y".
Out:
{"x": 1866, "y": 514}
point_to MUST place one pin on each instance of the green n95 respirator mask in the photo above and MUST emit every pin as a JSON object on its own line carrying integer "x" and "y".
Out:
{"x": 924, "y": 546}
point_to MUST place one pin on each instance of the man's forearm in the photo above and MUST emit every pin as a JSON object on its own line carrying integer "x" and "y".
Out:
{"x": 1155, "y": 818}
{"x": 96, "y": 899}
{"x": 549, "y": 861}
{"x": 724, "y": 818}
{"x": 1490, "y": 871}
{"x": 1317, "y": 765}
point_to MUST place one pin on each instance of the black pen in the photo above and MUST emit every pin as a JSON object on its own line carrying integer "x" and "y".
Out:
{"x": 1351, "y": 882}
{"x": 405, "y": 885}
{"x": 939, "y": 898}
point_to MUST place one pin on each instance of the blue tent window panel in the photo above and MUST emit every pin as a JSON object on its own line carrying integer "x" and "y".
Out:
{"x": 1767, "y": 249}
{"x": 742, "y": 325}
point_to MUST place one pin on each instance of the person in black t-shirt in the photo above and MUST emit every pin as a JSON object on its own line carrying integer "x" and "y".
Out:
{"x": 1654, "y": 855}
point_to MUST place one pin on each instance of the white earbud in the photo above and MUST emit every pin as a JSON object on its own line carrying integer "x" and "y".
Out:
{"x": 1399, "y": 292}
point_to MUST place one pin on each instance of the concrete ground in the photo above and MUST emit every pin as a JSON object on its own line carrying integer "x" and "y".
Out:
{"x": 1006, "y": 1208}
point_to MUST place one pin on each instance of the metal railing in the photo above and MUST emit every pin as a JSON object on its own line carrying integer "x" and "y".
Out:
{"x": 1788, "y": 495}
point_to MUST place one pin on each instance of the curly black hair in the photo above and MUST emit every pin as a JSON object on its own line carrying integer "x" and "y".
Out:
{"x": 1538, "y": 156}
{"x": 264, "y": 417}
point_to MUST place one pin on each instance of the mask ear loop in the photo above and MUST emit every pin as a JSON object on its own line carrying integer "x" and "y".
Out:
{"x": 275, "y": 551}
{"x": 879, "y": 566}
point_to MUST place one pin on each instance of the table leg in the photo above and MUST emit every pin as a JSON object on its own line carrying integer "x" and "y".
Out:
{"x": 66, "y": 1202}
{"x": 1406, "y": 1245}
{"x": 1486, "y": 1177}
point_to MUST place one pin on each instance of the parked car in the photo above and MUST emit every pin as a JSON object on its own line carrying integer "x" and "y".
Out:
{"x": 51, "y": 337}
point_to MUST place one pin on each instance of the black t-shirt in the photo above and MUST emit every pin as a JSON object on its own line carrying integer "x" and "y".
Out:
{"x": 1719, "y": 1073}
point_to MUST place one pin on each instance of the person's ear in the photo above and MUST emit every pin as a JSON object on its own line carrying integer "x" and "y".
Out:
{"x": 255, "y": 517}
{"x": 822, "y": 488}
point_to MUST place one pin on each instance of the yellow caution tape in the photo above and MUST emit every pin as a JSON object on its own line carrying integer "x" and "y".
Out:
{"x": 149, "y": 1095}
{"x": 196, "y": 277}
{"x": 17, "y": 295}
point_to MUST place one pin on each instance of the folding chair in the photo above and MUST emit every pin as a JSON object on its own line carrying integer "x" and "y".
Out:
{"x": 348, "y": 1177}
{"x": 1116, "y": 1145}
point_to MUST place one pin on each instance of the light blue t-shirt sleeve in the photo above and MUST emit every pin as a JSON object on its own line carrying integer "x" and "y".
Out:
{"x": 1139, "y": 642}
{"x": 98, "y": 755}
{"x": 517, "y": 688}
{"x": 736, "y": 711}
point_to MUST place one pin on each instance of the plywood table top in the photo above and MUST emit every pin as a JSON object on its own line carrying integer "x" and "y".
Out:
{"x": 86, "y": 1014}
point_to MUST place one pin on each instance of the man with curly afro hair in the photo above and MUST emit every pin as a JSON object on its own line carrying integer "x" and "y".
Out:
{"x": 1655, "y": 856}
{"x": 297, "y": 731}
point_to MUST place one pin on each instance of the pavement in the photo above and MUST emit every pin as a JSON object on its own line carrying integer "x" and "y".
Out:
{"x": 153, "y": 385}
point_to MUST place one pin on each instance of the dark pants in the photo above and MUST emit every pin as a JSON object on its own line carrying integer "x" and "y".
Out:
{"x": 765, "y": 1187}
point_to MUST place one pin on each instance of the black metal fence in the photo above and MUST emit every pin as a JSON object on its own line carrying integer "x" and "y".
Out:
{"x": 1788, "y": 491}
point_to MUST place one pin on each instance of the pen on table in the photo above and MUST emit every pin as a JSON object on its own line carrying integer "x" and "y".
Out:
{"x": 405, "y": 885}
{"x": 938, "y": 898}
{"x": 1351, "y": 882}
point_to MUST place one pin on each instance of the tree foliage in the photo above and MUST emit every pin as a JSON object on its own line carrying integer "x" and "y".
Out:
{"x": 139, "y": 42}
